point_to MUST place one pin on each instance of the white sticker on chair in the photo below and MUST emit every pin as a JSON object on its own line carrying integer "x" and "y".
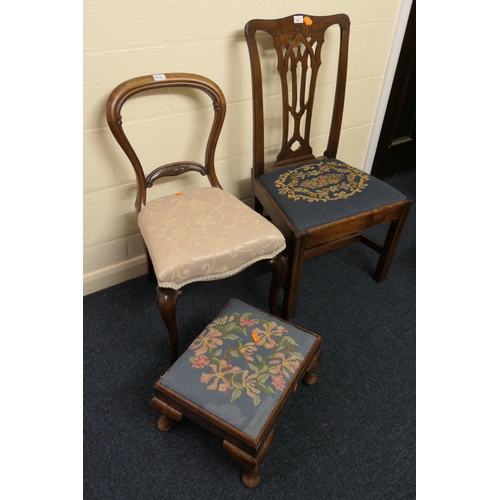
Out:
{"x": 159, "y": 77}
{"x": 298, "y": 19}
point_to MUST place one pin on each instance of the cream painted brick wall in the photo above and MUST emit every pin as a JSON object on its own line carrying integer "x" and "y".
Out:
{"x": 124, "y": 39}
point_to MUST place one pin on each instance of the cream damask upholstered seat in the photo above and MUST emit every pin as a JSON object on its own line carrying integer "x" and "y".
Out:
{"x": 200, "y": 234}
{"x": 203, "y": 235}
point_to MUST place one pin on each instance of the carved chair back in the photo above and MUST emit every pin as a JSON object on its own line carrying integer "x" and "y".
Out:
{"x": 298, "y": 44}
{"x": 162, "y": 81}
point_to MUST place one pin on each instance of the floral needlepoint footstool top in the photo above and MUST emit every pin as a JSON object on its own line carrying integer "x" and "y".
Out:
{"x": 239, "y": 366}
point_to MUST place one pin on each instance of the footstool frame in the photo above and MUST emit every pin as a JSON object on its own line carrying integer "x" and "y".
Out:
{"x": 246, "y": 450}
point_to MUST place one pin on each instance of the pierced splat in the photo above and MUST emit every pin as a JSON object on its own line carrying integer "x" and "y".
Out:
{"x": 298, "y": 64}
{"x": 298, "y": 48}
{"x": 328, "y": 227}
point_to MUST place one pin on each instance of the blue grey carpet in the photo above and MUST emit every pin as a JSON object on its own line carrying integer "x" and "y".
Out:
{"x": 351, "y": 436}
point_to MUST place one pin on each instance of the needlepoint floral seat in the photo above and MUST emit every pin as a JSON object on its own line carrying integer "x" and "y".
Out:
{"x": 324, "y": 191}
{"x": 235, "y": 379}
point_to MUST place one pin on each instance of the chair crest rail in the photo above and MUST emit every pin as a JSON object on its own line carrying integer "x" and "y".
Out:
{"x": 140, "y": 84}
{"x": 298, "y": 47}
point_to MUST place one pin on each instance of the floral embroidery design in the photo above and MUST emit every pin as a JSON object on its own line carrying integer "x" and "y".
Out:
{"x": 322, "y": 182}
{"x": 237, "y": 365}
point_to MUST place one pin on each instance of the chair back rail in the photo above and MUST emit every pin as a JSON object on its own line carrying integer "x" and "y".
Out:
{"x": 298, "y": 47}
{"x": 148, "y": 82}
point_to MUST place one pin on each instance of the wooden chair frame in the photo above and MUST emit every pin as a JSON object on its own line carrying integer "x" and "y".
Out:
{"x": 167, "y": 297}
{"x": 301, "y": 245}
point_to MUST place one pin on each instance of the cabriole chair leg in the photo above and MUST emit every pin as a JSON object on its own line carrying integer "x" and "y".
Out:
{"x": 167, "y": 304}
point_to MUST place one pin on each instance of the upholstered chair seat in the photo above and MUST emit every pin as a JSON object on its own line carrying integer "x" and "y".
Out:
{"x": 202, "y": 233}
{"x": 205, "y": 234}
{"x": 325, "y": 191}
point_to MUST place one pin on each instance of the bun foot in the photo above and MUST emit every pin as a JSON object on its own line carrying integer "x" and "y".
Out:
{"x": 309, "y": 378}
{"x": 250, "y": 478}
{"x": 164, "y": 423}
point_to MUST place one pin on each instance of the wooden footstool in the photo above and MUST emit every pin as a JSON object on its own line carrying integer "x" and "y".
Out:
{"x": 235, "y": 379}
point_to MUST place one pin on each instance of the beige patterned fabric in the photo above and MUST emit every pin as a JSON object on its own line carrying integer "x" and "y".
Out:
{"x": 205, "y": 234}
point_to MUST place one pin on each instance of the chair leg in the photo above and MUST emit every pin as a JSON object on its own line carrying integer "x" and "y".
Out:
{"x": 279, "y": 263}
{"x": 151, "y": 269}
{"x": 169, "y": 416}
{"x": 250, "y": 474}
{"x": 167, "y": 304}
{"x": 390, "y": 245}
{"x": 257, "y": 206}
{"x": 292, "y": 284}
{"x": 309, "y": 377}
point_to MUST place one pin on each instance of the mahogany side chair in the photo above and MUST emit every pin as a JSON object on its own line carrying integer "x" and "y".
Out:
{"x": 320, "y": 203}
{"x": 200, "y": 234}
